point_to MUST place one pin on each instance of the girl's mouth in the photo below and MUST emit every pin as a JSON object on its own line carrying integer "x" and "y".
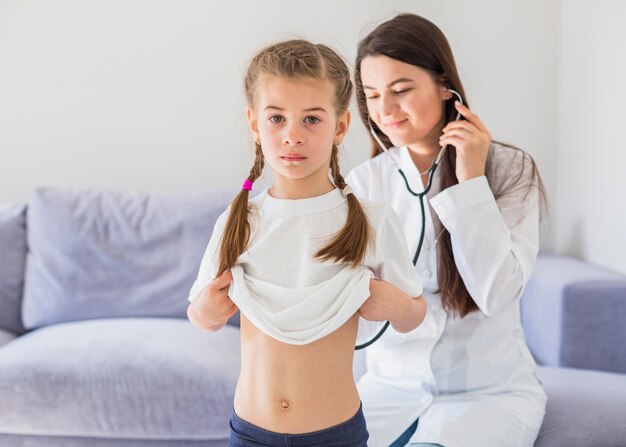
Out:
{"x": 293, "y": 157}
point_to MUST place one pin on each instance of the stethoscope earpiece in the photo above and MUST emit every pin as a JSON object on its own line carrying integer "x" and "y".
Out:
{"x": 455, "y": 93}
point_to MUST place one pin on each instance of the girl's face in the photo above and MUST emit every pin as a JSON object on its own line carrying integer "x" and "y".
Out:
{"x": 404, "y": 101}
{"x": 297, "y": 124}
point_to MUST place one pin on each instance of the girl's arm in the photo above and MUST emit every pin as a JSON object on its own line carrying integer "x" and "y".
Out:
{"x": 396, "y": 294}
{"x": 213, "y": 307}
{"x": 388, "y": 302}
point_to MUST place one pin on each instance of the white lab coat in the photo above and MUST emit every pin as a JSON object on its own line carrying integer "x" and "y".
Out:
{"x": 470, "y": 381}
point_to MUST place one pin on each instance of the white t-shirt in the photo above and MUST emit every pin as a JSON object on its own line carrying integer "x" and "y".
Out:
{"x": 279, "y": 285}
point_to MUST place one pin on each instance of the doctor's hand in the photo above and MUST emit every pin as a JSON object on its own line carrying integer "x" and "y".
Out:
{"x": 387, "y": 302}
{"x": 212, "y": 309}
{"x": 471, "y": 140}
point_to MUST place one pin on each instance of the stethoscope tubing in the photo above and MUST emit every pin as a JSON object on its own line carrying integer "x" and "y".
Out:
{"x": 420, "y": 196}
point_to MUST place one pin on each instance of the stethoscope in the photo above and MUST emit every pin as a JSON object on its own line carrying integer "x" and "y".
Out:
{"x": 419, "y": 195}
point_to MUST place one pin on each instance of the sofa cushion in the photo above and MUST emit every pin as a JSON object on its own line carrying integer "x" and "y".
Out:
{"x": 12, "y": 260}
{"x": 585, "y": 408}
{"x": 593, "y": 326}
{"x": 6, "y": 336}
{"x": 79, "y": 441}
{"x": 573, "y": 314}
{"x": 76, "y": 441}
{"x": 154, "y": 378}
{"x": 96, "y": 254}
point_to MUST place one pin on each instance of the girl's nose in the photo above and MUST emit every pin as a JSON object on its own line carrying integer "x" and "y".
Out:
{"x": 292, "y": 137}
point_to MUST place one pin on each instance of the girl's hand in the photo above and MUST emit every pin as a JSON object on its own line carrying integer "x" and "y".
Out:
{"x": 212, "y": 310}
{"x": 471, "y": 140}
{"x": 387, "y": 302}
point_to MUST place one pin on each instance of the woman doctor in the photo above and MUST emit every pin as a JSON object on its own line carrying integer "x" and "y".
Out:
{"x": 464, "y": 377}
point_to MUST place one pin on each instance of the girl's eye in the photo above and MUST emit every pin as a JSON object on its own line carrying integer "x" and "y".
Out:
{"x": 312, "y": 120}
{"x": 372, "y": 96}
{"x": 275, "y": 119}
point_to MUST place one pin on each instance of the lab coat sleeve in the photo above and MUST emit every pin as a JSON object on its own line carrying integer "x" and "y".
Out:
{"x": 494, "y": 244}
{"x": 210, "y": 260}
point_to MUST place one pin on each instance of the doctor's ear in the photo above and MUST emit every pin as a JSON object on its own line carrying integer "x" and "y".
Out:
{"x": 445, "y": 93}
{"x": 443, "y": 83}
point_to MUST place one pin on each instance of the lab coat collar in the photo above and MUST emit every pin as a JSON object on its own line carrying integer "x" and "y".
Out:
{"x": 406, "y": 162}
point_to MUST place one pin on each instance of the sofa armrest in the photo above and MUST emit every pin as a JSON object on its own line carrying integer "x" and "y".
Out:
{"x": 573, "y": 314}
{"x": 12, "y": 265}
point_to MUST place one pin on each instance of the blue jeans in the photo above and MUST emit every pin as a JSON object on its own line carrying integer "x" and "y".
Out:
{"x": 406, "y": 437}
{"x": 352, "y": 433}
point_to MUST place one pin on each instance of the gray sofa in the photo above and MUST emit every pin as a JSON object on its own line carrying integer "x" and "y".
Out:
{"x": 95, "y": 348}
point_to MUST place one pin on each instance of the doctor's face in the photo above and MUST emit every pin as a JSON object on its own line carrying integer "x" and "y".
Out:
{"x": 404, "y": 101}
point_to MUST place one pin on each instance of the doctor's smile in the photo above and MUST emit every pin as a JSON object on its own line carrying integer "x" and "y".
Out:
{"x": 395, "y": 124}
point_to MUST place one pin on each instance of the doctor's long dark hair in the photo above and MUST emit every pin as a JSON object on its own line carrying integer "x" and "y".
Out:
{"x": 414, "y": 40}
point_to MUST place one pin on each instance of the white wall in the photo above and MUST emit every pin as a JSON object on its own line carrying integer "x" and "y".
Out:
{"x": 146, "y": 94}
{"x": 590, "y": 200}
{"x": 142, "y": 94}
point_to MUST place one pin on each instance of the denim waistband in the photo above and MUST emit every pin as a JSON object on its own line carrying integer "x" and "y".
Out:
{"x": 351, "y": 433}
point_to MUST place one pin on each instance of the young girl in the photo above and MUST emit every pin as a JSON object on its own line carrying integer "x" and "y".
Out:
{"x": 299, "y": 258}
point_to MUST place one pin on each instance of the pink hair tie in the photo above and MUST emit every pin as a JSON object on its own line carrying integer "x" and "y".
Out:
{"x": 247, "y": 184}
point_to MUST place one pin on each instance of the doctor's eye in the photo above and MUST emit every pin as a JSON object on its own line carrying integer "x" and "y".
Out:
{"x": 399, "y": 92}
{"x": 275, "y": 119}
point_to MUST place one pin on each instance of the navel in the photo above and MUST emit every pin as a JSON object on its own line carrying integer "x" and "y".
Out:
{"x": 284, "y": 405}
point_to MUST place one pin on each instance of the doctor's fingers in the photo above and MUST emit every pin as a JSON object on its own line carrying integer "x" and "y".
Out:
{"x": 457, "y": 142}
{"x": 457, "y": 132}
{"x": 474, "y": 138}
{"x": 460, "y": 124}
{"x": 472, "y": 118}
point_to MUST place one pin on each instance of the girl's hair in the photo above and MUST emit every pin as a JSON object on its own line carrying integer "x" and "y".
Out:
{"x": 414, "y": 40}
{"x": 296, "y": 59}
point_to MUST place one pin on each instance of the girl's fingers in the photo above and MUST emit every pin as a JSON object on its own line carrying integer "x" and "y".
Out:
{"x": 233, "y": 310}
{"x": 223, "y": 280}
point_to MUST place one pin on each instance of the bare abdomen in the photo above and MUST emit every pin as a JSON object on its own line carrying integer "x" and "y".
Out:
{"x": 296, "y": 389}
